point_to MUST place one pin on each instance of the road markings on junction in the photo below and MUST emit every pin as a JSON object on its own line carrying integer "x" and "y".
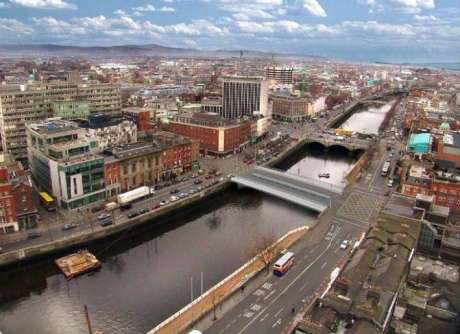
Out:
{"x": 279, "y": 312}
{"x": 270, "y": 294}
{"x": 323, "y": 265}
{"x": 277, "y": 323}
{"x": 264, "y": 317}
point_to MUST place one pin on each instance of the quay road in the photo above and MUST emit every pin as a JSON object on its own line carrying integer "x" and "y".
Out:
{"x": 55, "y": 230}
{"x": 268, "y": 308}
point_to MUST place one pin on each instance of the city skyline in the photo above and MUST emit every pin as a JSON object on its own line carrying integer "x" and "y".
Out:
{"x": 363, "y": 30}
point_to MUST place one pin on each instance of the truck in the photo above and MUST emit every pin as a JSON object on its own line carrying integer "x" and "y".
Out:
{"x": 111, "y": 206}
{"x": 132, "y": 195}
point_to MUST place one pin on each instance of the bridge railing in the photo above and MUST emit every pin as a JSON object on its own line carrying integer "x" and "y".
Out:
{"x": 321, "y": 184}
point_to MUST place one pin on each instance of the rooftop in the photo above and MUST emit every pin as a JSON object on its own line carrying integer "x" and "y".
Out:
{"x": 132, "y": 150}
{"x": 52, "y": 126}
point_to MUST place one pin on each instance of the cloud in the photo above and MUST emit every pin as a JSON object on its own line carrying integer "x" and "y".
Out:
{"x": 14, "y": 26}
{"x": 254, "y": 9}
{"x": 4, "y": 5}
{"x": 151, "y": 8}
{"x": 146, "y": 8}
{"x": 58, "y": 28}
{"x": 314, "y": 8}
{"x": 366, "y": 2}
{"x": 45, "y": 4}
{"x": 425, "y": 18}
{"x": 415, "y": 4}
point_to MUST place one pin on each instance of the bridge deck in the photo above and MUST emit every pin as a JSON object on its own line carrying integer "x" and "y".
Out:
{"x": 313, "y": 194}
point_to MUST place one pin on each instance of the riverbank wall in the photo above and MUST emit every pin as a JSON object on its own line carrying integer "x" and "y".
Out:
{"x": 204, "y": 307}
{"x": 88, "y": 236}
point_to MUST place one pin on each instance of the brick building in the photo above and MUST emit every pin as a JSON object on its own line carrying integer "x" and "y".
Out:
{"x": 112, "y": 176}
{"x": 179, "y": 155}
{"x": 140, "y": 116}
{"x": 215, "y": 135}
{"x": 17, "y": 208}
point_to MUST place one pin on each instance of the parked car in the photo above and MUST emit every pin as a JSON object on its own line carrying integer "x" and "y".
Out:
{"x": 69, "y": 226}
{"x": 174, "y": 191}
{"x": 156, "y": 206}
{"x": 103, "y": 216}
{"x": 168, "y": 184}
{"x": 133, "y": 214}
{"x": 197, "y": 181}
{"x": 34, "y": 235}
{"x": 182, "y": 195}
{"x": 143, "y": 210}
{"x": 106, "y": 222}
{"x": 173, "y": 198}
{"x": 390, "y": 183}
{"x": 344, "y": 244}
{"x": 164, "y": 202}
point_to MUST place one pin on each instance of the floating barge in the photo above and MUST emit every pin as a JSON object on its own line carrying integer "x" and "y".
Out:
{"x": 77, "y": 263}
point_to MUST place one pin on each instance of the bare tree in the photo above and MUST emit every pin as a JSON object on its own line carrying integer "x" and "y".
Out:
{"x": 215, "y": 299}
{"x": 264, "y": 250}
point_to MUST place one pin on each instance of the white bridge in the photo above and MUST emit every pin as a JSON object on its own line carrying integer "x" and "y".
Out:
{"x": 313, "y": 194}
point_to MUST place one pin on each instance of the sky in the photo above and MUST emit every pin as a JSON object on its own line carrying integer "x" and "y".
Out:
{"x": 362, "y": 30}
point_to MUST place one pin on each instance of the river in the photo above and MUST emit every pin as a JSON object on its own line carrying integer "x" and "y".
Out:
{"x": 367, "y": 119}
{"x": 146, "y": 273}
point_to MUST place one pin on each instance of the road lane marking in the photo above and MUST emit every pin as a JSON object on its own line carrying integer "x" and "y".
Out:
{"x": 323, "y": 265}
{"x": 277, "y": 323}
{"x": 270, "y": 294}
{"x": 264, "y": 317}
{"x": 289, "y": 285}
{"x": 279, "y": 311}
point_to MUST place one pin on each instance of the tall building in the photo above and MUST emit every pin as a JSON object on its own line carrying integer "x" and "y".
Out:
{"x": 244, "y": 96}
{"x": 279, "y": 74}
{"x": 25, "y": 104}
{"x": 65, "y": 163}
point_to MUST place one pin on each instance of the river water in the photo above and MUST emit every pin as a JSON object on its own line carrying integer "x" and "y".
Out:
{"x": 368, "y": 119}
{"x": 147, "y": 273}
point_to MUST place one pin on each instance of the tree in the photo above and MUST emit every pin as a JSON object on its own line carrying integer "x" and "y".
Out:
{"x": 215, "y": 299}
{"x": 264, "y": 250}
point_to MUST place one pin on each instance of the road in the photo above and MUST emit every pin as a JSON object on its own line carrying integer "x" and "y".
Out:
{"x": 54, "y": 230}
{"x": 269, "y": 308}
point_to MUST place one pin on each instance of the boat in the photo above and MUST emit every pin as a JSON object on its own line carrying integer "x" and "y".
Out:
{"x": 77, "y": 263}
{"x": 325, "y": 175}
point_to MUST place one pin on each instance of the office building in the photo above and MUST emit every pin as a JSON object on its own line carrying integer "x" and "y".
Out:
{"x": 291, "y": 108}
{"x": 33, "y": 103}
{"x": 65, "y": 163}
{"x": 244, "y": 96}
{"x": 279, "y": 74}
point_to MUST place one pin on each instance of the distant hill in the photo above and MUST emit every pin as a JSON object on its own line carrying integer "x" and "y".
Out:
{"x": 147, "y": 50}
